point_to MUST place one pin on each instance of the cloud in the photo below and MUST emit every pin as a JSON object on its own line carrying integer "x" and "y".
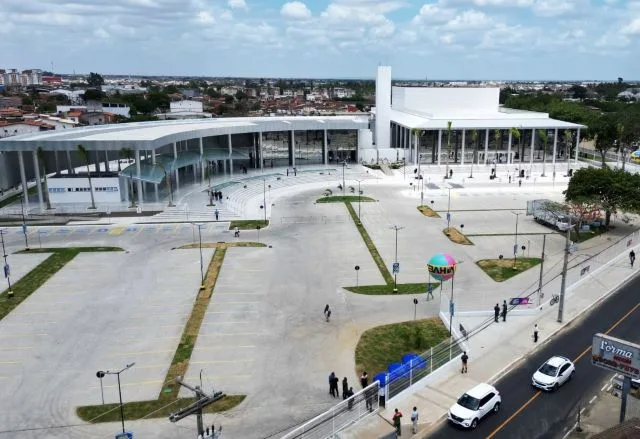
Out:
{"x": 432, "y": 13}
{"x": 205, "y": 17}
{"x": 632, "y": 28}
{"x": 554, "y": 8}
{"x": 295, "y": 11}
{"x": 468, "y": 20}
{"x": 237, "y": 4}
{"x": 613, "y": 40}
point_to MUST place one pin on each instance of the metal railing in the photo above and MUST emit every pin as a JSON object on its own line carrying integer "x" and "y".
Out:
{"x": 340, "y": 416}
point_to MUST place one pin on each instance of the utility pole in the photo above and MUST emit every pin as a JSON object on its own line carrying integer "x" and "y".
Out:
{"x": 565, "y": 263}
{"x": 515, "y": 245}
{"x": 196, "y": 407}
{"x": 7, "y": 270}
{"x": 544, "y": 242}
{"x": 24, "y": 223}
{"x": 395, "y": 261}
{"x": 359, "y": 197}
{"x": 264, "y": 198}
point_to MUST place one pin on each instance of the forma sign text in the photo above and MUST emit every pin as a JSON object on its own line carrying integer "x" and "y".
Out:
{"x": 616, "y": 355}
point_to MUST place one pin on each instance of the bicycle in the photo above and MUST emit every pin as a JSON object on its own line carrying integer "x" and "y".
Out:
{"x": 554, "y": 299}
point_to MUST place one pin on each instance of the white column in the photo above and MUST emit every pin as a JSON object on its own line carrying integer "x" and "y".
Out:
{"x": 575, "y": 159}
{"x": 555, "y": 145}
{"x": 293, "y": 148}
{"x": 439, "y": 145}
{"x": 70, "y": 171}
{"x": 55, "y": 156}
{"x": 464, "y": 133}
{"x": 326, "y": 147}
{"x": 486, "y": 145}
{"x": 175, "y": 157}
{"x": 261, "y": 150}
{"x": 139, "y": 176}
{"x": 106, "y": 161}
{"x": 23, "y": 178}
{"x": 230, "y": 152}
{"x": 202, "y": 164}
{"x": 533, "y": 146}
{"x": 509, "y": 148}
{"x": 36, "y": 167}
{"x": 255, "y": 154}
{"x": 153, "y": 161}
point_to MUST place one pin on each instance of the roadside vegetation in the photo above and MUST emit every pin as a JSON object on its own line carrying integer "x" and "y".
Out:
{"x": 503, "y": 269}
{"x": 428, "y": 211}
{"x": 456, "y": 236}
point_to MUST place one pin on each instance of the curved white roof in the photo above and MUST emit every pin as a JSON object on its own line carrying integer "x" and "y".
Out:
{"x": 153, "y": 135}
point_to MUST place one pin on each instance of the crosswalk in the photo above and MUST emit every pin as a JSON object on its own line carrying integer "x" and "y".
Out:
{"x": 182, "y": 214}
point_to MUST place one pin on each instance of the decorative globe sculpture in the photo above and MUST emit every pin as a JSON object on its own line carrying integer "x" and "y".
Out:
{"x": 442, "y": 267}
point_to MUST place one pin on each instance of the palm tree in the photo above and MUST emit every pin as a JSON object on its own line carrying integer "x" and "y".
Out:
{"x": 446, "y": 171}
{"x": 515, "y": 133}
{"x": 474, "y": 141}
{"x": 84, "y": 155}
{"x": 568, "y": 142}
{"x": 417, "y": 133}
{"x": 545, "y": 140}
{"x": 497, "y": 136}
{"x": 43, "y": 171}
{"x": 127, "y": 153}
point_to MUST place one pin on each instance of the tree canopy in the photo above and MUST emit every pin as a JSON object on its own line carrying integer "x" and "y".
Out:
{"x": 95, "y": 79}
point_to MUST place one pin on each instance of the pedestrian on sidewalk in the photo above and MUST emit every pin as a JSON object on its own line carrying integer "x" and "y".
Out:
{"x": 465, "y": 359}
{"x": 535, "y": 333}
{"x": 327, "y": 313}
{"x": 430, "y": 292}
{"x": 509, "y": 178}
{"x": 287, "y": 172}
{"x": 336, "y": 392}
{"x": 349, "y": 395}
{"x": 217, "y": 214}
{"x": 504, "y": 310}
{"x": 345, "y": 388}
{"x": 520, "y": 183}
{"x": 414, "y": 420}
{"x": 236, "y": 233}
{"x": 364, "y": 379}
{"x": 331, "y": 377}
{"x": 326, "y": 309}
{"x": 397, "y": 415}
{"x": 295, "y": 172}
{"x": 369, "y": 395}
{"x": 632, "y": 257}
{"x": 496, "y": 312}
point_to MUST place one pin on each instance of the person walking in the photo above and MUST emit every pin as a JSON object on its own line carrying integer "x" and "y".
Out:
{"x": 504, "y": 310}
{"x": 327, "y": 313}
{"x": 237, "y": 232}
{"x": 397, "y": 415}
{"x": 535, "y": 333}
{"x": 364, "y": 379}
{"x": 632, "y": 257}
{"x": 331, "y": 377}
{"x": 414, "y": 420}
{"x": 496, "y": 313}
{"x": 349, "y": 395}
{"x": 345, "y": 388}
{"x": 465, "y": 359}
{"x": 430, "y": 292}
{"x": 217, "y": 214}
{"x": 336, "y": 392}
{"x": 326, "y": 309}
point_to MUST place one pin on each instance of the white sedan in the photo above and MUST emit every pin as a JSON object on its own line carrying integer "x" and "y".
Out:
{"x": 554, "y": 373}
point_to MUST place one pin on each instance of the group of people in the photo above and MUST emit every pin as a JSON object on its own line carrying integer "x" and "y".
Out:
{"x": 216, "y": 195}
{"x": 497, "y": 313}
{"x": 294, "y": 171}
{"x": 397, "y": 416}
{"x": 347, "y": 391}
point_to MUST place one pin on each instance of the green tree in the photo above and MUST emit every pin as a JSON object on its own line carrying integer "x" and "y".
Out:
{"x": 611, "y": 189}
{"x": 240, "y": 95}
{"x": 43, "y": 171}
{"x": 497, "y": 136}
{"x": 474, "y": 142}
{"x": 92, "y": 94}
{"x": 27, "y": 100}
{"x": 84, "y": 155}
{"x": 95, "y": 80}
{"x": 568, "y": 142}
{"x": 515, "y": 134}
{"x": 228, "y": 100}
{"x": 212, "y": 92}
{"x": 603, "y": 131}
{"x": 578, "y": 91}
{"x": 171, "y": 89}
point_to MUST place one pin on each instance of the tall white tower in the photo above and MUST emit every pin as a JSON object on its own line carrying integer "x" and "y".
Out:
{"x": 383, "y": 107}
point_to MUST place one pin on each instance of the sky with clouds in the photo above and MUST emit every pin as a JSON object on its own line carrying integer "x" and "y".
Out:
{"x": 438, "y": 39}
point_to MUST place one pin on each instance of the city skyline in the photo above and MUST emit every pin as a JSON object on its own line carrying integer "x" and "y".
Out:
{"x": 446, "y": 39}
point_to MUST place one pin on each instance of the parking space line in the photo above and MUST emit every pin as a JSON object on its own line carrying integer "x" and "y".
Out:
{"x": 229, "y": 303}
{"x": 220, "y": 361}
{"x": 17, "y": 348}
{"x": 205, "y": 348}
{"x": 232, "y": 294}
{"x": 124, "y": 354}
{"x": 150, "y": 327}
{"x": 169, "y": 337}
{"x": 230, "y": 335}
{"x": 10, "y": 362}
{"x": 23, "y": 335}
{"x": 138, "y": 383}
{"x": 229, "y": 312}
{"x": 29, "y": 323}
{"x": 224, "y": 323}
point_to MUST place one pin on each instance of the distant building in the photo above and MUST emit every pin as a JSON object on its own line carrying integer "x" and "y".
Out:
{"x": 95, "y": 107}
{"x": 186, "y": 109}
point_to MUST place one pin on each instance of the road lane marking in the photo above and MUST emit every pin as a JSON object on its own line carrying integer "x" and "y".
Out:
{"x": 232, "y": 335}
{"x": 582, "y": 354}
{"x": 231, "y": 312}
{"x": 22, "y": 335}
{"x": 17, "y": 348}
{"x": 593, "y": 399}
{"x": 159, "y": 351}
{"x": 220, "y": 361}
{"x": 205, "y": 348}
{"x": 10, "y": 362}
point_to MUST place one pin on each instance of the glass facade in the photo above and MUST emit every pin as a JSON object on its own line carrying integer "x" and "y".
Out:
{"x": 342, "y": 145}
{"x": 308, "y": 147}
{"x": 275, "y": 148}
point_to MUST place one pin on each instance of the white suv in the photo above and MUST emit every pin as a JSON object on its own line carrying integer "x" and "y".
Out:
{"x": 475, "y": 405}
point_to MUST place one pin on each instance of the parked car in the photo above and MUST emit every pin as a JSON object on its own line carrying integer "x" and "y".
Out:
{"x": 553, "y": 373}
{"x": 475, "y": 405}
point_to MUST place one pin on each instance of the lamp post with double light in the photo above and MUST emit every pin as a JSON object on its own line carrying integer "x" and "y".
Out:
{"x": 24, "y": 222}
{"x": 395, "y": 261}
{"x": 6, "y": 269}
{"x": 117, "y": 373}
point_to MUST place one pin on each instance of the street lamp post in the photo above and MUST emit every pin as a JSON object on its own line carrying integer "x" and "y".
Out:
{"x": 7, "y": 270}
{"x": 359, "y": 197}
{"x": 344, "y": 164}
{"x": 449, "y": 210}
{"x": 128, "y": 366}
{"x": 200, "y": 226}
{"x": 565, "y": 263}
{"x": 515, "y": 244}
{"x": 264, "y": 198}
{"x": 395, "y": 261}
{"x": 24, "y": 222}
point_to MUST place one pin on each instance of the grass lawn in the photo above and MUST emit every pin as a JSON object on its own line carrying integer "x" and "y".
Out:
{"x": 374, "y": 290}
{"x": 149, "y": 409}
{"x": 427, "y": 211}
{"x": 344, "y": 199}
{"x": 248, "y": 224}
{"x": 585, "y": 236}
{"x": 33, "y": 280}
{"x": 386, "y": 275}
{"x": 503, "y": 269}
{"x": 456, "y": 236}
{"x": 380, "y": 346}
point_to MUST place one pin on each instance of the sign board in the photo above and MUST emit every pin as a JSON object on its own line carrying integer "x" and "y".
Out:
{"x": 448, "y": 216}
{"x": 520, "y": 301}
{"x": 396, "y": 267}
{"x": 616, "y": 355}
{"x": 452, "y": 308}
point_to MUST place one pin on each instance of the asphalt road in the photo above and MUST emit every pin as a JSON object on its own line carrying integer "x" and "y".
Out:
{"x": 529, "y": 413}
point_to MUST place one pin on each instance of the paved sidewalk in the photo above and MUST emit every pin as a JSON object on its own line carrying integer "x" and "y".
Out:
{"x": 495, "y": 349}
